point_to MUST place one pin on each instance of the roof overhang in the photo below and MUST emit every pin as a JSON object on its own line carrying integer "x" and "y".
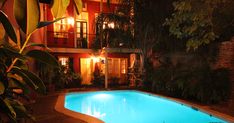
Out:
{"x": 109, "y": 50}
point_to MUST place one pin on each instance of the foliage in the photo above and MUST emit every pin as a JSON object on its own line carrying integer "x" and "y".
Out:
{"x": 59, "y": 7}
{"x": 65, "y": 78}
{"x": 149, "y": 34}
{"x": 170, "y": 69}
{"x": 16, "y": 80}
{"x": 117, "y": 35}
{"x": 98, "y": 77}
{"x": 114, "y": 81}
{"x": 198, "y": 82}
{"x": 194, "y": 21}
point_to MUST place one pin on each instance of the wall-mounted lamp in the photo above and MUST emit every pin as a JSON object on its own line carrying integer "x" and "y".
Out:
{"x": 70, "y": 21}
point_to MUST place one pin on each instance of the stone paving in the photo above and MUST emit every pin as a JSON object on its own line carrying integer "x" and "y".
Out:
{"x": 44, "y": 112}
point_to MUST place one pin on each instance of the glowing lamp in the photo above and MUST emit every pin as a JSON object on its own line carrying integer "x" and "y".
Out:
{"x": 70, "y": 21}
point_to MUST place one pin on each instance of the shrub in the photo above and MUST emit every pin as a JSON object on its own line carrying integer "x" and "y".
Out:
{"x": 201, "y": 84}
{"x": 215, "y": 86}
{"x": 66, "y": 78}
{"x": 114, "y": 81}
{"x": 98, "y": 77}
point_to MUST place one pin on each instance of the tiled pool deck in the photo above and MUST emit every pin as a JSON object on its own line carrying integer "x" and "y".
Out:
{"x": 44, "y": 110}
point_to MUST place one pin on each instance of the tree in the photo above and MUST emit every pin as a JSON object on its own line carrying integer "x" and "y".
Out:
{"x": 195, "y": 21}
{"x": 150, "y": 35}
{"x": 16, "y": 80}
{"x": 114, "y": 29}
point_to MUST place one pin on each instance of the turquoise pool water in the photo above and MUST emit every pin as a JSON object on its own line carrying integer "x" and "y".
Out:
{"x": 134, "y": 107}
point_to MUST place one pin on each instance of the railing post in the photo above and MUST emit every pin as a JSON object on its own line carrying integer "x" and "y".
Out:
{"x": 106, "y": 68}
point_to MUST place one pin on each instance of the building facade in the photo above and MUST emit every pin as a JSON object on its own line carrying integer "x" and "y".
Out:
{"x": 72, "y": 39}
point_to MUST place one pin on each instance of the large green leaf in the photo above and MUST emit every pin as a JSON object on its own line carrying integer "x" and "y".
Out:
{"x": 10, "y": 53}
{"x": 6, "y": 107}
{"x": 36, "y": 44}
{"x": 7, "y": 26}
{"x": 20, "y": 10}
{"x": 37, "y": 81}
{"x": 78, "y": 6}
{"x": 2, "y": 88}
{"x": 2, "y": 33}
{"x": 46, "y": 23}
{"x": 27, "y": 14}
{"x": 59, "y": 7}
{"x": 25, "y": 77}
{"x": 21, "y": 85}
{"x": 20, "y": 110}
{"x": 2, "y": 3}
{"x": 44, "y": 57}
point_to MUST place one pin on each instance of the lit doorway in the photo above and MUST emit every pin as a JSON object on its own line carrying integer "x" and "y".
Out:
{"x": 86, "y": 70}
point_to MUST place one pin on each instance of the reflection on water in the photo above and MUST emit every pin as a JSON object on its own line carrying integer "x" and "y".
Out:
{"x": 93, "y": 108}
{"x": 104, "y": 105}
{"x": 95, "y": 113}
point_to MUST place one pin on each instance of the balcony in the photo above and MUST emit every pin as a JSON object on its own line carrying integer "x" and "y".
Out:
{"x": 68, "y": 40}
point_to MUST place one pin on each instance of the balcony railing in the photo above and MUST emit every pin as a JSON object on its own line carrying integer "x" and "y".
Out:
{"x": 68, "y": 40}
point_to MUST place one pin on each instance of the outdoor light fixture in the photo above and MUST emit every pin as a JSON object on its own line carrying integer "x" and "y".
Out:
{"x": 70, "y": 21}
{"x": 97, "y": 59}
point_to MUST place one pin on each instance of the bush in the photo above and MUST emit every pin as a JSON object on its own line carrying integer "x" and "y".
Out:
{"x": 98, "y": 77}
{"x": 75, "y": 82}
{"x": 202, "y": 84}
{"x": 114, "y": 81}
{"x": 214, "y": 87}
{"x": 65, "y": 78}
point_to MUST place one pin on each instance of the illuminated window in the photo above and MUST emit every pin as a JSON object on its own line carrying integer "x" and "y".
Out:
{"x": 63, "y": 61}
{"x": 61, "y": 27}
{"x": 117, "y": 66}
{"x": 110, "y": 66}
{"x": 123, "y": 65}
{"x": 81, "y": 29}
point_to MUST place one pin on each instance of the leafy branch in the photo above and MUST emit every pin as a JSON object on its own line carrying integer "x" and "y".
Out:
{"x": 192, "y": 21}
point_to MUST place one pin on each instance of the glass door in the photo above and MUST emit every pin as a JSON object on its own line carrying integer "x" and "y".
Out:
{"x": 81, "y": 34}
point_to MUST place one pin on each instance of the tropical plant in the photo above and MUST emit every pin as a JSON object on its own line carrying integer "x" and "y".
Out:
{"x": 114, "y": 29}
{"x": 16, "y": 80}
{"x": 65, "y": 78}
{"x": 98, "y": 77}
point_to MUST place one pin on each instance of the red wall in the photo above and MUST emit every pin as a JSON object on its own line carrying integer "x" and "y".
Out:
{"x": 60, "y": 42}
{"x": 92, "y": 8}
{"x": 76, "y": 58}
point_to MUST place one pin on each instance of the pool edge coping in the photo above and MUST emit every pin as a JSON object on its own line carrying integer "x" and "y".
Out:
{"x": 59, "y": 106}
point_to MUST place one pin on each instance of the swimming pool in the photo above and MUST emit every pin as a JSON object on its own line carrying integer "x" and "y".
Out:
{"x": 134, "y": 107}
